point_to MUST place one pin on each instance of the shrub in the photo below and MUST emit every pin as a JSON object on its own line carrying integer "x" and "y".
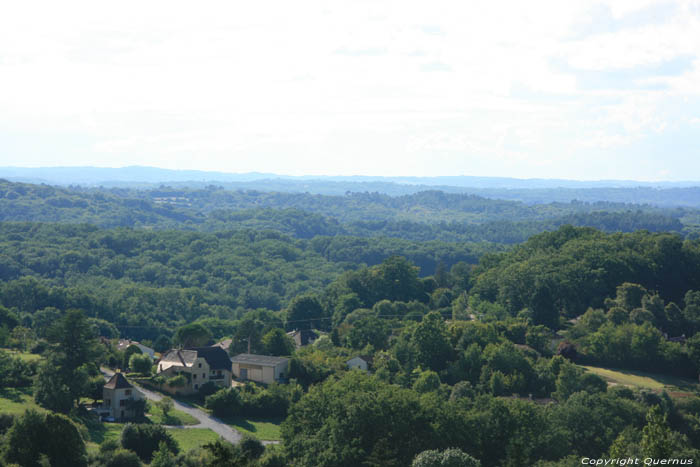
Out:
{"x": 144, "y": 440}
{"x": 224, "y": 403}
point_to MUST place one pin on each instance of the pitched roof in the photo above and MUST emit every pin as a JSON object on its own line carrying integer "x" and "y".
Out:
{"x": 216, "y": 357}
{"x": 303, "y": 337}
{"x": 118, "y": 381}
{"x": 178, "y": 357}
{"x": 263, "y": 360}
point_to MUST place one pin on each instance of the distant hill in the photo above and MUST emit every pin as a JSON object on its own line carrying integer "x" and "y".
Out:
{"x": 530, "y": 191}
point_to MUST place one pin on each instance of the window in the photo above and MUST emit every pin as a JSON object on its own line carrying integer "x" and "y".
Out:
{"x": 127, "y": 392}
{"x": 194, "y": 376}
{"x": 200, "y": 365}
{"x": 204, "y": 375}
{"x": 122, "y": 403}
{"x": 196, "y": 386}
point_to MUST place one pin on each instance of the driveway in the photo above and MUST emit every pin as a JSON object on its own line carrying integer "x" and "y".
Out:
{"x": 205, "y": 420}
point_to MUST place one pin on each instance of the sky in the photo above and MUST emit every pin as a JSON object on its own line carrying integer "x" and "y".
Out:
{"x": 561, "y": 89}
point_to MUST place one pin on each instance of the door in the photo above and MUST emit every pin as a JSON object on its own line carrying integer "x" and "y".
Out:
{"x": 244, "y": 373}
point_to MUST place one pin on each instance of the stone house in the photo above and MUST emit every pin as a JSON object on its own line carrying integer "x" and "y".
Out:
{"x": 199, "y": 365}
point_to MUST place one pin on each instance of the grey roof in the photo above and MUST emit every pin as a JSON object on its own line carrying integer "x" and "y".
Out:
{"x": 216, "y": 357}
{"x": 263, "y": 360}
{"x": 118, "y": 381}
{"x": 180, "y": 357}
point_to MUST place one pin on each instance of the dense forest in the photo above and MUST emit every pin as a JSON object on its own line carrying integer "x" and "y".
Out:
{"x": 480, "y": 353}
{"x": 428, "y": 215}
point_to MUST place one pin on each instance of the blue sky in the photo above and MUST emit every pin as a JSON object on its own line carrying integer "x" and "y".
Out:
{"x": 578, "y": 90}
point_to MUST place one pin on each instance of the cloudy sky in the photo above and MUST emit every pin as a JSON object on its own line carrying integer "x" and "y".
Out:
{"x": 564, "y": 89}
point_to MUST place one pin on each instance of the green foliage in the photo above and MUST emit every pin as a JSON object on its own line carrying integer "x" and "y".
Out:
{"x": 224, "y": 403}
{"x": 165, "y": 404}
{"x": 276, "y": 342}
{"x": 122, "y": 458}
{"x": 192, "y": 335}
{"x": 145, "y": 440}
{"x": 54, "y": 435}
{"x": 354, "y": 420}
{"x": 141, "y": 363}
{"x": 448, "y": 458}
{"x": 15, "y": 372}
{"x": 431, "y": 343}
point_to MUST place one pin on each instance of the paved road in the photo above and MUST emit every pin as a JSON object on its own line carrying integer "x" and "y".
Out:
{"x": 205, "y": 420}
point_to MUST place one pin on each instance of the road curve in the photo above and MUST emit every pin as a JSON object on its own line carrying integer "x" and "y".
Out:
{"x": 205, "y": 420}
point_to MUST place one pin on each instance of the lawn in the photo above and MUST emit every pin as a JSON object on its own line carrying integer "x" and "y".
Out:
{"x": 25, "y": 356}
{"x": 645, "y": 380}
{"x": 16, "y": 400}
{"x": 175, "y": 417}
{"x": 105, "y": 431}
{"x": 266, "y": 429}
{"x": 189, "y": 438}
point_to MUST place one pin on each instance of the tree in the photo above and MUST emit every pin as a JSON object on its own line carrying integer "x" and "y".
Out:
{"x": 384, "y": 424}
{"x": 304, "y": 312}
{"x": 192, "y": 335}
{"x": 165, "y": 404}
{"x": 224, "y": 403}
{"x": 368, "y": 330}
{"x": 144, "y": 440}
{"x": 448, "y": 458}
{"x": 277, "y": 342}
{"x": 141, "y": 363}
{"x": 656, "y": 435}
{"x": 430, "y": 339}
{"x": 122, "y": 458}
{"x": 53, "y": 435}
{"x": 163, "y": 457}
{"x": 50, "y": 390}
{"x": 128, "y": 353}
{"x": 74, "y": 347}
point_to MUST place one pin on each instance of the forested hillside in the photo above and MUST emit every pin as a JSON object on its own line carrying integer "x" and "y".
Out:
{"x": 484, "y": 352}
{"x": 430, "y": 215}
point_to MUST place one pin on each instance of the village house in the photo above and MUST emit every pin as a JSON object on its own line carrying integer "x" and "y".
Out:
{"x": 118, "y": 395}
{"x": 123, "y": 344}
{"x": 260, "y": 368}
{"x": 199, "y": 365}
{"x": 303, "y": 337}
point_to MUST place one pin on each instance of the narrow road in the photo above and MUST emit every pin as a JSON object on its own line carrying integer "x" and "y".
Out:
{"x": 205, "y": 420}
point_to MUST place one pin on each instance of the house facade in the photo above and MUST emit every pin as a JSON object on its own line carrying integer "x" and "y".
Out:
{"x": 199, "y": 365}
{"x": 117, "y": 396}
{"x": 260, "y": 368}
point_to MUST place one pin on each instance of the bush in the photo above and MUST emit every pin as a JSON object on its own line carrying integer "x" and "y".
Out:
{"x": 251, "y": 447}
{"x": 448, "y": 458}
{"x": 144, "y": 440}
{"x": 141, "y": 363}
{"x": 208, "y": 388}
{"x": 176, "y": 381}
{"x": 122, "y": 458}
{"x": 224, "y": 403}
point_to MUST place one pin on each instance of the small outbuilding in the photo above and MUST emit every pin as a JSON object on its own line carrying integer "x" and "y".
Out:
{"x": 260, "y": 368}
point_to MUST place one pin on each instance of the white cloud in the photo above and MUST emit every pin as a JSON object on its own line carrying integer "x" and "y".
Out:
{"x": 339, "y": 86}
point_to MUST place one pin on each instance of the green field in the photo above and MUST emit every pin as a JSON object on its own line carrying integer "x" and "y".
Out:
{"x": 25, "y": 356}
{"x": 175, "y": 417}
{"x": 645, "y": 380}
{"x": 266, "y": 429}
{"x": 16, "y": 400}
{"x": 189, "y": 438}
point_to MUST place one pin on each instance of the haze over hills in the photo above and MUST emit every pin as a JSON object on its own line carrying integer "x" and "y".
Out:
{"x": 142, "y": 174}
{"x": 531, "y": 191}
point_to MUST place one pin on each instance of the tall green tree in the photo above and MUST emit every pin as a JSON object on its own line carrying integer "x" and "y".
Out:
{"x": 74, "y": 349}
